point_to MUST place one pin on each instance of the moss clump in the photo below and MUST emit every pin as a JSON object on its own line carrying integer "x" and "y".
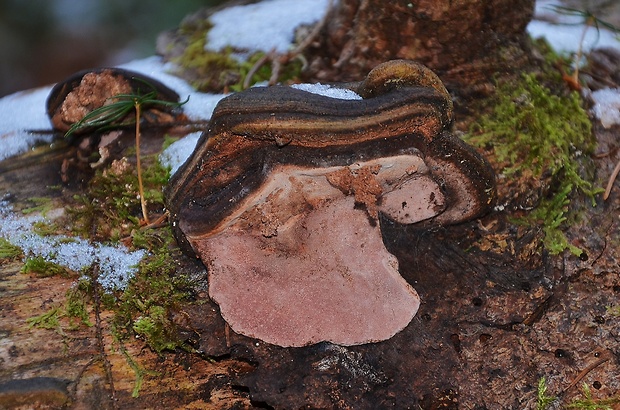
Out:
{"x": 144, "y": 307}
{"x": 40, "y": 205}
{"x": 110, "y": 208}
{"x": 590, "y": 403}
{"x": 536, "y": 134}
{"x": 48, "y": 320}
{"x": 543, "y": 401}
{"x": 76, "y": 305}
{"x": 8, "y": 250}
{"x": 43, "y": 268}
{"x": 219, "y": 71}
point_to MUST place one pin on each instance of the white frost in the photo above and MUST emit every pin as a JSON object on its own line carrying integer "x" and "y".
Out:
{"x": 117, "y": 265}
{"x": 565, "y": 38}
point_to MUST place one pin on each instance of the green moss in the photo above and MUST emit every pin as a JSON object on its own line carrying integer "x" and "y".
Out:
{"x": 40, "y": 205}
{"x": 139, "y": 371}
{"x": 542, "y": 400}
{"x": 42, "y": 228}
{"x": 76, "y": 305}
{"x": 110, "y": 209}
{"x": 48, "y": 320}
{"x": 8, "y": 250}
{"x": 534, "y": 133}
{"x": 154, "y": 329}
{"x": 587, "y": 402}
{"x": 43, "y": 268}
{"x": 143, "y": 309}
{"x": 217, "y": 71}
{"x": 590, "y": 403}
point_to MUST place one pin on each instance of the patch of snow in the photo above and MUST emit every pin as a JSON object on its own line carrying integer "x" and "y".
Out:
{"x": 607, "y": 106}
{"x": 265, "y": 26}
{"x": 545, "y": 10}
{"x": 117, "y": 265}
{"x": 565, "y": 38}
{"x": 20, "y": 114}
{"x": 178, "y": 152}
{"x": 328, "y": 91}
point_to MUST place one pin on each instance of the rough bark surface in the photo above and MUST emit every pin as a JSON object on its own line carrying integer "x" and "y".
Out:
{"x": 462, "y": 40}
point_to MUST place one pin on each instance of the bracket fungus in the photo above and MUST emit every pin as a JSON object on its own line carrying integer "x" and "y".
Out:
{"x": 83, "y": 92}
{"x": 281, "y": 200}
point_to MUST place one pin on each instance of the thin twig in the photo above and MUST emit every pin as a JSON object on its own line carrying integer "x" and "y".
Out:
{"x": 161, "y": 221}
{"x": 605, "y": 356}
{"x": 138, "y": 163}
{"x": 612, "y": 179}
{"x": 278, "y": 60}
{"x": 261, "y": 61}
{"x": 315, "y": 31}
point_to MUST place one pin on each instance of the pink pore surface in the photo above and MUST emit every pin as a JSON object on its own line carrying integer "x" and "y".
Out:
{"x": 300, "y": 263}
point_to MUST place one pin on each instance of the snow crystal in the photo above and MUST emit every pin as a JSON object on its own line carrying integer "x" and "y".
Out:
{"x": 265, "y": 26}
{"x": 117, "y": 265}
{"x": 607, "y": 106}
{"x": 328, "y": 91}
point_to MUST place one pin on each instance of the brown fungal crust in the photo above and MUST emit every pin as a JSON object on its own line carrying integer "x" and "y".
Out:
{"x": 283, "y": 194}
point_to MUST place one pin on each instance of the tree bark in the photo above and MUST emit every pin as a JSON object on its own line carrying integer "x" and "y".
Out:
{"x": 464, "y": 41}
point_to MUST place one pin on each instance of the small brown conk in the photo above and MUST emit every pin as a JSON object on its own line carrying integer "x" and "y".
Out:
{"x": 282, "y": 196}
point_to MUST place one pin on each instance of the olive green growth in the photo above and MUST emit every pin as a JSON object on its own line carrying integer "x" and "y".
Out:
{"x": 590, "y": 403}
{"x": 76, "y": 305}
{"x": 139, "y": 371}
{"x": 47, "y": 320}
{"x": 108, "y": 211}
{"x": 535, "y": 132}
{"x": 110, "y": 203}
{"x": 220, "y": 71}
{"x": 543, "y": 401}
{"x": 40, "y": 205}
{"x": 43, "y": 268}
{"x": 8, "y": 250}
{"x": 586, "y": 402}
{"x": 157, "y": 289}
{"x": 613, "y": 310}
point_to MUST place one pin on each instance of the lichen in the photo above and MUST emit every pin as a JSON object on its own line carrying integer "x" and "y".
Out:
{"x": 537, "y": 135}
